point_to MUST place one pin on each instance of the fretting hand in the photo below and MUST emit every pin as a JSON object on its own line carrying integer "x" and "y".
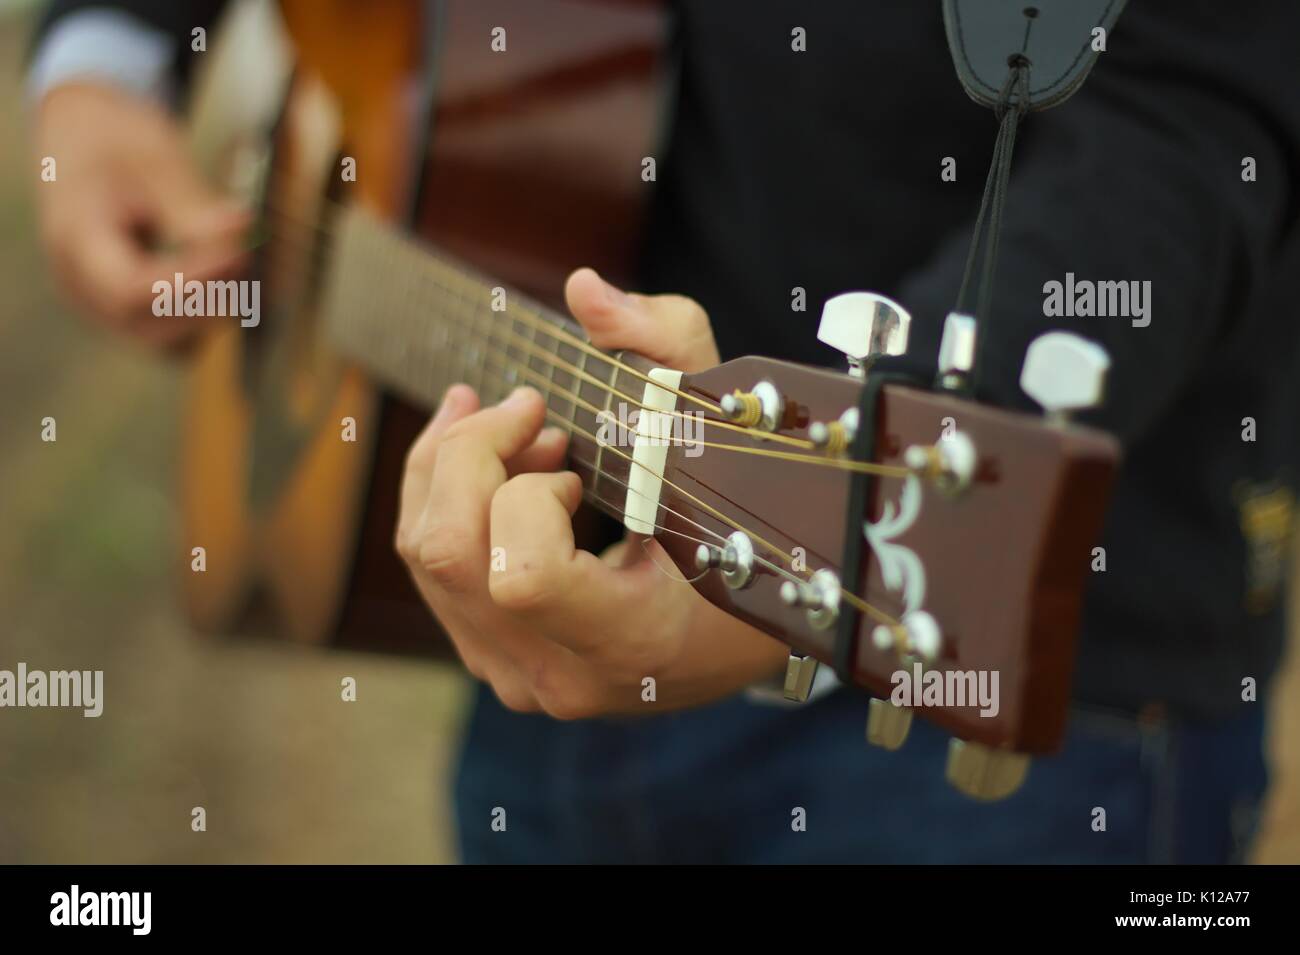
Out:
{"x": 560, "y": 630}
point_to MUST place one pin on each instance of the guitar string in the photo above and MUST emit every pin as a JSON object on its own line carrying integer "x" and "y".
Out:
{"x": 554, "y": 361}
{"x": 471, "y": 329}
{"x": 548, "y": 328}
{"x": 466, "y": 276}
{"x": 776, "y": 568}
{"x": 554, "y": 358}
{"x": 848, "y": 596}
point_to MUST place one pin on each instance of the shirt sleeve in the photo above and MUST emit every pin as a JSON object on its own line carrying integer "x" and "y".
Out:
{"x": 102, "y": 45}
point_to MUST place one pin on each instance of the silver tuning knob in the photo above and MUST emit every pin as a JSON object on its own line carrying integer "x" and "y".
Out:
{"x": 1064, "y": 373}
{"x": 864, "y": 326}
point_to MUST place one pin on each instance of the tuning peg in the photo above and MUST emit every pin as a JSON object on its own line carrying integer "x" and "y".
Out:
{"x": 887, "y": 724}
{"x": 835, "y": 436}
{"x": 800, "y": 671}
{"x": 864, "y": 326}
{"x": 819, "y": 597}
{"x": 917, "y": 633}
{"x": 983, "y": 773}
{"x": 956, "y": 350}
{"x": 735, "y": 558}
{"x": 760, "y": 407}
{"x": 1064, "y": 373}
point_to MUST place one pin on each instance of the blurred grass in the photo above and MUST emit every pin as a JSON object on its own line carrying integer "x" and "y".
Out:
{"x": 255, "y": 733}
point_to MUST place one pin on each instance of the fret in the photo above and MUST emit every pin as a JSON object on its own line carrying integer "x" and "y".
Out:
{"x": 550, "y": 369}
{"x": 510, "y": 355}
{"x": 577, "y": 386}
{"x": 415, "y": 319}
{"x": 528, "y": 361}
{"x": 609, "y": 398}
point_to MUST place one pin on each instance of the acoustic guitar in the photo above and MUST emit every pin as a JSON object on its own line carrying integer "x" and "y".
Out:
{"x": 424, "y": 185}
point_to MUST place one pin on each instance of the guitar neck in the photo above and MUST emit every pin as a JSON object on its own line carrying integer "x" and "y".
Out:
{"x": 419, "y": 322}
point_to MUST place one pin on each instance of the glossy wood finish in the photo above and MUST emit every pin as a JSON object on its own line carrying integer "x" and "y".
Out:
{"x": 1005, "y": 560}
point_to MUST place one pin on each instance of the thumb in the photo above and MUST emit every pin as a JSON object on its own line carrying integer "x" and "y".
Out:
{"x": 671, "y": 329}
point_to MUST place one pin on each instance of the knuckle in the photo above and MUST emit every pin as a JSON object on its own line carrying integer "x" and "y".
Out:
{"x": 473, "y": 663}
{"x": 423, "y": 453}
{"x": 444, "y": 554}
{"x": 692, "y": 312}
{"x": 566, "y": 702}
{"x": 529, "y": 587}
{"x": 514, "y": 696}
{"x": 563, "y": 692}
{"x": 404, "y": 544}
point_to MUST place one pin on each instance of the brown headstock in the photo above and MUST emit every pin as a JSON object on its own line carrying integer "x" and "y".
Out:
{"x": 999, "y": 564}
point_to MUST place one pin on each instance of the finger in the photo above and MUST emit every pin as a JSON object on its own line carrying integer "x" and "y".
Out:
{"x": 544, "y": 454}
{"x": 671, "y": 329}
{"x": 506, "y": 428}
{"x": 189, "y": 212}
{"x": 104, "y": 268}
{"x": 537, "y": 572}
{"x": 482, "y": 658}
{"x": 458, "y": 402}
{"x": 468, "y": 470}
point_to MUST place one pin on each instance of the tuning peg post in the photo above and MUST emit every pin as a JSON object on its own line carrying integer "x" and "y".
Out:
{"x": 887, "y": 724}
{"x": 983, "y": 773}
{"x": 800, "y": 671}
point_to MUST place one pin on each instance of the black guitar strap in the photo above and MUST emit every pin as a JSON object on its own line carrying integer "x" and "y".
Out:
{"x": 1055, "y": 37}
{"x": 1014, "y": 57}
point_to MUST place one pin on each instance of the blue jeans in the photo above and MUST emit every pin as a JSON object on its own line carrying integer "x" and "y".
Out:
{"x": 724, "y": 783}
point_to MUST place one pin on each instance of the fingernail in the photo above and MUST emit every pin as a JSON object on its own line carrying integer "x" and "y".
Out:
{"x": 518, "y": 395}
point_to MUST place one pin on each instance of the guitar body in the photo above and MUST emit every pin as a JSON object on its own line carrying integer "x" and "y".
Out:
{"x": 523, "y": 161}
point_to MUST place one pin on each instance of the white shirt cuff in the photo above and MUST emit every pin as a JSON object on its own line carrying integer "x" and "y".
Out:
{"x": 105, "y": 46}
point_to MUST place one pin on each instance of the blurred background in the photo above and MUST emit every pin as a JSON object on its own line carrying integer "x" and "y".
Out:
{"x": 253, "y": 732}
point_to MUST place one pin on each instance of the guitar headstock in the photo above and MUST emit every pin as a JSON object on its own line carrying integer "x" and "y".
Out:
{"x": 977, "y": 535}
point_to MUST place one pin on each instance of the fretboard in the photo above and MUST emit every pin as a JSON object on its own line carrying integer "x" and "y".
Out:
{"x": 419, "y": 322}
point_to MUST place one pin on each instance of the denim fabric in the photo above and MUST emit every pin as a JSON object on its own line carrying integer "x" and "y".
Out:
{"x": 723, "y": 783}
